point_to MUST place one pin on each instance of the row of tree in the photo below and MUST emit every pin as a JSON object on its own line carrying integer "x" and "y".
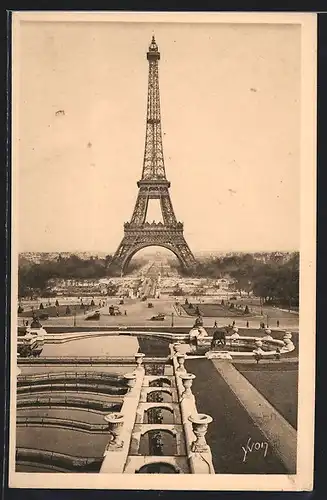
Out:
{"x": 274, "y": 277}
{"x": 35, "y": 277}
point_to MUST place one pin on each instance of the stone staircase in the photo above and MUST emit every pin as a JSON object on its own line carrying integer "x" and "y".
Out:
{"x": 137, "y": 445}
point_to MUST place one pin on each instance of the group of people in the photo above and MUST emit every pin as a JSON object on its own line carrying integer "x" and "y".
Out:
{"x": 35, "y": 323}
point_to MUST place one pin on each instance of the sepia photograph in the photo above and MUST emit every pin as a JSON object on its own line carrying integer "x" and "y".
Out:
{"x": 163, "y": 185}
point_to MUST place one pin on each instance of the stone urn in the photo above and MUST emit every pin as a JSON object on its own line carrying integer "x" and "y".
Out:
{"x": 200, "y": 424}
{"x": 177, "y": 347}
{"x": 235, "y": 335}
{"x": 268, "y": 335}
{"x": 180, "y": 360}
{"x": 130, "y": 379}
{"x": 288, "y": 340}
{"x": 187, "y": 379}
{"x": 258, "y": 344}
{"x": 115, "y": 423}
{"x": 139, "y": 356}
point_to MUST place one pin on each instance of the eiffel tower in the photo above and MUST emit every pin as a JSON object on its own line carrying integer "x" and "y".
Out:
{"x": 138, "y": 233}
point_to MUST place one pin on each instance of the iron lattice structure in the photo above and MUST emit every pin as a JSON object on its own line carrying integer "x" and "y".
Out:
{"x": 138, "y": 233}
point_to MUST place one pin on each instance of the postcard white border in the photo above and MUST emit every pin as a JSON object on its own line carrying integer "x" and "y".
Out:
{"x": 303, "y": 480}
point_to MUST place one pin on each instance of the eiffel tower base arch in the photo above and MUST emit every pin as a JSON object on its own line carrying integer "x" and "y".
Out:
{"x": 154, "y": 235}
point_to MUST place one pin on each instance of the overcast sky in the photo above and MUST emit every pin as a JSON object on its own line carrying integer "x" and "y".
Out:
{"x": 230, "y": 102}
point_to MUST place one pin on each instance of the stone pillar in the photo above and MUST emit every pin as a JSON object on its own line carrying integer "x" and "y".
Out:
{"x": 187, "y": 380}
{"x": 139, "y": 356}
{"x": 180, "y": 360}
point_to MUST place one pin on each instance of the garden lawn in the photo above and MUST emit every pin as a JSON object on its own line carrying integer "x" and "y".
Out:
{"x": 213, "y": 311}
{"x": 52, "y": 311}
{"x": 231, "y": 427}
{"x": 278, "y": 383}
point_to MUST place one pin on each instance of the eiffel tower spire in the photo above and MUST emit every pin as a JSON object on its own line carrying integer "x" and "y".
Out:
{"x": 153, "y": 163}
{"x": 138, "y": 233}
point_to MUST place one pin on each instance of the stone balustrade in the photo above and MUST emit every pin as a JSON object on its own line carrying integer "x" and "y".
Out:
{"x": 121, "y": 426}
{"x": 198, "y": 452}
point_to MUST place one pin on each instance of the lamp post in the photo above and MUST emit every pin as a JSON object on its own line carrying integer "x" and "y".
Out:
{"x": 74, "y": 315}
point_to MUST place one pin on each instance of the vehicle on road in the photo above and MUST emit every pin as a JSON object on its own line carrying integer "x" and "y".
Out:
{"x": 93, "y": 316}
{"x": 114, "y": 311}
{"x": 158, "y": 317}
{"x": 43, "y": 316}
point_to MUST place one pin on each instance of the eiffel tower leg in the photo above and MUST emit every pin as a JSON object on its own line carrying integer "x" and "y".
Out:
{"x": 167, "y": 210}
{"x": 186, "y": 256}
{"x": 140, "y": 209}
{"x": 123, "y": 251}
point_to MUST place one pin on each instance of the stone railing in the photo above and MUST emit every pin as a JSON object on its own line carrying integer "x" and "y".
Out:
{"x": 53, "y": 460}
{"x": 73, "y": 386}
{"x": 66, "y": 375}
{"x": 195, "y": 425}
{"x": 89, "y": 360}
{"x": 120, "y": 425}
{"x": 34, "y": 421}
{"x": 70, "y": 402}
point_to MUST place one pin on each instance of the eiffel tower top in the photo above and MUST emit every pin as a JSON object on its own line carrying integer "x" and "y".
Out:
{"x": 153, "y": 53}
